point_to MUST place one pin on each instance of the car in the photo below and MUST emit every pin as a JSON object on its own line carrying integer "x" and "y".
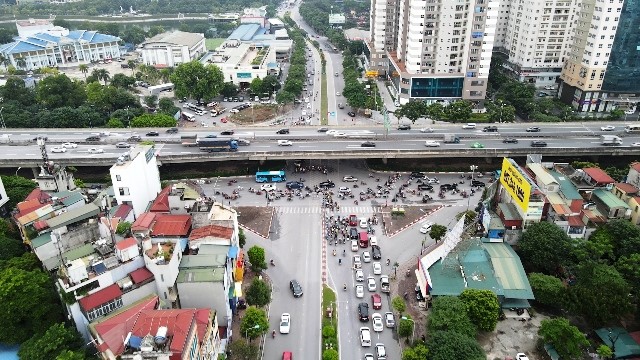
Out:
{"x": 376, "y": 319}
{"x": 381, "y": 351}
{"x": 389, "y": 319}
{"x": 323, "y": 129}
{"x": 521, "y": 356}
{"x": 550, "y": 87}
{"x": 69, "y": 145}
{"x": 359, "y": 291}
{"x": 357, "y": 262}
{"x": 211, "y": 136}
{"x": 404, "y": 127}
{"x": 295, "y": 287}
{"x": 282, "y": 131}
{"x": 153, "y": 133}
{"x": 327, "y": 184}
{"x": 338, "y": 93}
{"x": 172, "y": 130}
{"x": 354, "y": 245}
{"x": 608, "y": 128}
{"x": 447, "y": 187}
{"x": 368, "y": 144}
{"x": 227, "y": 132}
{"x": 538, "y": 143}
{"x": 123, "y": 145}
{"x": 635, "y": 144}
{"x": 431, "y": 143}
{"x": 533, "y": 129}
{"x": 426, "y": 227}
{"x": 510, "y": 141}
{"x": 268, "y": 187}
{"x": 366, "y": 257}
{"x": 478, "y": 183}
{"x": 377, "y": 268}
{"x": 349, "y": 178}
{"x": 477, "y": 145}
{"x": 365, "y": 336}
{"x": 287, "y": 355}
{"x": 351, "y": 113}
{"x": 360, "y": 276}
{"x": 363, "y": 223}
{"x": 375, "y": 251}
{"x": 353, "y": 220}
{"x": 490, "y": 129}
{"x": 285, "y": 323}
{"x": 369, "y": 356}
{"x": 134, "y": 138}
{"x": 542, "y": 94}
{"x": 96, "y": 151}
{"x": 426, "y": 130}
{"x": 373, "y": 241}
{"x": 344, "y": 190}
{"x": 428, "y": 180}
{"x": 92, "y": 139}
{"x": 371, "y": 283}
{"x": 294, "y": 185}
{"x": 235, "y": 110}
{"x": 469, "y": 126}
{"x": 363, "y": 311}
{"x": 58, "y": 149}
{"x": 427, "y": 187}
{"x": 285, "y": 143}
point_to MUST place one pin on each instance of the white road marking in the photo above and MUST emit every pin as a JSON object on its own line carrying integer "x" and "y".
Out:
{"x": 304, "y": 146}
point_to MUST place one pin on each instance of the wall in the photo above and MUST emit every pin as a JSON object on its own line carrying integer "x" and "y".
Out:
{"x": 140, "y": 177}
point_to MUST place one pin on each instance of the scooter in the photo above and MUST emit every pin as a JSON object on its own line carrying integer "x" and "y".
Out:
{"x": 344, "y": 287}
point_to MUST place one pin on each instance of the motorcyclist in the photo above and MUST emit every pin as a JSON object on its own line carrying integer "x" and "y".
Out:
{"x": 272, "y": 262}
{"x": 344, "y": 286}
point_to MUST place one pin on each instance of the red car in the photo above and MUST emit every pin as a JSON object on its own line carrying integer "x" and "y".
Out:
{"x": 224, "y": 120}
{"x": 377, "y": 301}
{"x": 287, "y": 355}
{"x": 353, "y": 220}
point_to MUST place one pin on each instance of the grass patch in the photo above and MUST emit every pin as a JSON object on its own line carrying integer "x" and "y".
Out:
{"x": 329, "y": 325}
{"x": 212, "y": 44}
{"x": 324, "y": 100}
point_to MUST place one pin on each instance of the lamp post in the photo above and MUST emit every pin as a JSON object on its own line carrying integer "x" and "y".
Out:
{"x": 413, "y": 332}
{"x": 473, "y": 170}
{"x": 246, "y": 333}
{"x": 18, "y": 169}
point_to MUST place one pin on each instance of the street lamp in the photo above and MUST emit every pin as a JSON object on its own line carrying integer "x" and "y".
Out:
{"x": 246, "y": 333}
{"x": 19, "y": 167}
{"x": 413, "y": 332}
{"x": 473, "y": 170}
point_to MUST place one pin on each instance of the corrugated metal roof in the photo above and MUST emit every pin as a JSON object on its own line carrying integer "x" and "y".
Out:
{"x": 610, "y": 200}
{"x": 566, "y": 186}
{"x": 200, "y": 275}
{"x": 42, "y": 41}
{"x": 598, "y": 175}
{"x": 541, "y": 174}
{"x": 74, "y": 215}
{"x": 202, "y": 261}
{"x": 245, "y": 32}
{"x": 177, "y": 38}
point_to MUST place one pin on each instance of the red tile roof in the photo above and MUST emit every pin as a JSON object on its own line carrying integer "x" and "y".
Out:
{"x": 143, "y": 222}
{"x": 126, "y": 243}
{"x": 123, "y": 211}
{"x": 140, "y": 275}
{"x": 28, "y": 206}
{"x": 627, "y": 188}
{"x": 575, "y": 221}
{"x": 100, "y": 297}
{"x": 211, "y": 230}
{"x": 598, "y": 175}
{"x": 39, "y": 195}
{"x": 161, "y": 203}
{"x": 171, "y": 225}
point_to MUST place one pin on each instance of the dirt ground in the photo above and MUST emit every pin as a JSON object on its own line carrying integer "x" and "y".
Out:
{"x": 235, "y": 324}
{"x": 256, "y": 218}
{"x": 394, "y": 223}
{"x": 254, "y": 115}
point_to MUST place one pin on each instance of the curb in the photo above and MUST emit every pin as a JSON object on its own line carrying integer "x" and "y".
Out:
{"x": 415, "y": 221}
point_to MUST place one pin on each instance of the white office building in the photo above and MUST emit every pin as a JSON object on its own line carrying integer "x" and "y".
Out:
{"x": 136, "y": 179}
{"x": 171, "y": 49}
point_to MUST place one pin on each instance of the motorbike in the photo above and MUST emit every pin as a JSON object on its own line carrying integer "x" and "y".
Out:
{"x": 344, "y": 287}
{"x": 272, "y": 263}
{"x": 334, "y": 252}
{"x": 339, "y": 261}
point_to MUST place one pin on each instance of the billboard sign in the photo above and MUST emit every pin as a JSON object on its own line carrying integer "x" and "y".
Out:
{"x": 516, "y": 184}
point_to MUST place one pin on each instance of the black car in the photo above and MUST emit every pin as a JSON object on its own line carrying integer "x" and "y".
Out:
{"x": 368, "y": 144}
{"x": 363, "y": 311}
{"x": 490, "y": 129}
{"x": 296, "y": 289}
{"x": 93, "y": 139}
{"x": 375, "y": 252}
{"x": 533, "y": 129}
{"x": 353, "y": 233}
{"x": 510, "y": 141}
{"x": 351, "y": 113}
{"x": 416, "y": 175}
{"x": 282, "y": 131}
{"x": 295, "y": 185}
{"x": 134, "y": 138}
{"x": 40, "y": 137}
{"x": 404, "y": 127}
{"x": 227, "y": 132}
{"x": 153, "y": 133}
{"x": 425, "y": 187}
{"x": 327, "y": 184}
{"x": 447, "y": 187}
{"x": 478, "y": 183}
{"x": 172, "y": 130}
{"x": 537, "y": 143}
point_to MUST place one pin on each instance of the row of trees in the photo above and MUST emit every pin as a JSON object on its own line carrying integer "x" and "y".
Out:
{"x": 297, "y": 75}
{"x": 316, "y": 14}
{"x": 457, "y": 111}
{"x": 359, "y": 95}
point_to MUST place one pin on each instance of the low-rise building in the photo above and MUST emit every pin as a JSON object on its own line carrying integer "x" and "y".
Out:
{"x": 171, "y": 49}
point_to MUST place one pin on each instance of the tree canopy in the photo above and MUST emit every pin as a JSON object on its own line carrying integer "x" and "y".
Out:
{"x": 55, "y": 340}
{"x": 483, "y": 308}
{"x": 254, "y": 323}
{"x": 568, "y": 340}
{"x": 17, "y": 188}
{"x": 548, "y": 290}
{"x": 437, "y": 232}
{"x": 417, "y": 352}
{"x": 544, "y": 247}
{"x": 258, "y": 293}
{"x": 197, "y": 81}
{"x": 58, "y": 90}
{"x": 153, "y": 121}
{"x": 449, "y": 313}
{"x": 257, "y": 258}
{"x": 447, "y": 345}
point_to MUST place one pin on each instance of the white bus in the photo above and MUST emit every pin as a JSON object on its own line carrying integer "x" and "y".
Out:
{"x": 155, "y": 90}
{"x": 632, "y": 129}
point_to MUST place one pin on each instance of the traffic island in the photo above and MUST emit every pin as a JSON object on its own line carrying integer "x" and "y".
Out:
{"x": 396, "y": 218}
{"x": 256, "y": 219}
{"x": 329, "y": 324}
{"x": 324, "y": 99}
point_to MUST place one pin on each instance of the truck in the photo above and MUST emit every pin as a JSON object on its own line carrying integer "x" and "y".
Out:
{"x": 189, "y": 140}
{"x": 217, "y": 145}
{"x": 155, "y": 90}
{"x": 384, "y": 284}
{"x": 188, "y": 116}
{"x": 610, "y": 140}
{"x": 217, "y": 110}
{"x": 451, "y": 139}
{"x": 367, "y": 113}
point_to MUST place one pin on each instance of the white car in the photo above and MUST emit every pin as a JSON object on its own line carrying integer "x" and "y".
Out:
{"x": 381, "y": 351}
{"x": 469, "y": 126}
{"x": 369, "y": 357}
{"x": 366, "y": 257}
{"x": 431, "y": 180}
{"x": 96, "y": 151}
{"x": 521, "y": 356}
{"x": 285, "y": 143}
{"x": 426, "y": 130}
{"x": 550, "y": 87}
{"x": 234, "y": 111}
{"x": 349, "y": 178}
{"x": 357, "y": 263}
{"x": 58, "y": 149}
{"x": 608, "y": 128}
{"x": 431, "y": 143}
{"x": 285, "y": 323}
{"x": 338, "y": 93}
{"x": 373, "y": 241}
{"x": 344, "y": 190}
{"x": 363, "y": 223}
{"x": 426, "y": 227}
{"x": 635, "y": 144}
{"x": 359, "y": 291}
{"x": 354, "y": 245}
{"x": 331, "y": 132}
{"x": 365, "y": 336}
{"x": 268, "y": 187}
{"x": 376, "y": 319}
{"x": 359, "y": 275}
{"x": 389, "y": 319}
{"x": 340, "y": 134}
{"x": 630, "y": 111}
{"x": 377, "y": 268}
{"x": 371, "y": 283}
{"x": 69, "y": 145}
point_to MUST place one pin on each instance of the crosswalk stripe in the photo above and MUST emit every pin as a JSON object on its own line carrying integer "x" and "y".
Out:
{"x": 346, "y": 210}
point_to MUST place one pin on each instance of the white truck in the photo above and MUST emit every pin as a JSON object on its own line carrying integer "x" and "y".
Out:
{"x": 610, "y": 140}
{"x": 451, "y": 139}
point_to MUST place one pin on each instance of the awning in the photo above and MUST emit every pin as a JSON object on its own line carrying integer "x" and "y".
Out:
{"x": 238, "y": 289}
{"x": 422, "y": 283}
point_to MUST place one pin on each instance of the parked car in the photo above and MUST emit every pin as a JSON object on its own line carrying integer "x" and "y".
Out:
{"x": 389, "y": 319}
{"x": 268, "y": 187}
{"x": 424, "y": 187}
{"x": 349, "y": 178}
{"x": 351, "y": 113}
{"x": 295, "y": 185}
{"x": 327, "y": 184}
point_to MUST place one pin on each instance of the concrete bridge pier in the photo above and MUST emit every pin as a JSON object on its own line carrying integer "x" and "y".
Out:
{"x": 385, "y": 160}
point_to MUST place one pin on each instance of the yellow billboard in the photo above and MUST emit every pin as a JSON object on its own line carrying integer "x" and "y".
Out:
{"x": 516, "y": 184}
{"x": 372, "y": 73}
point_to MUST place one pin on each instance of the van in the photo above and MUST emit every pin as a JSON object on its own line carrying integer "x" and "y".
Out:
{"x": 188, "y": 117}
{"x": 353, "y": 233}
{"x": 363, "y": 239}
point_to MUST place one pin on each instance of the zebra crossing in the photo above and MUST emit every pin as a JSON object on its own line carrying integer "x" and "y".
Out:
{"x": 318, "y": 209}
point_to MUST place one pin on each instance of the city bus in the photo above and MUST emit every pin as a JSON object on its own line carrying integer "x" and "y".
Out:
{"x": 270, "y": 176}
{"x": 632, "y": 129}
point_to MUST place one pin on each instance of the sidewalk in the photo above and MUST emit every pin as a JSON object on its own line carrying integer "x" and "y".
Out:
{"x": 386, "y": 97}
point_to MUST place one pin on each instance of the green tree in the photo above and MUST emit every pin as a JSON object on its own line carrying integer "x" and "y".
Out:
{"x": 84, "y": 69}
{"x": 123, "y": 228}
{"x": 605, "y": 352}
{"x": 242, "y": 238}
{"x": 242, "y": 351}
{"x": 133, "y": 34}
{"x": 153, "y": 120}
{"x": 284, "y": 97}
{"x": 418, "y": 352}
{"x": 548, "y": 290}
{"x": 435, "y": 111}
{"x": 229, "y": 89}
{"x": 101, "y": 74}
{"x": 257, "y": 258}
{"x": 123, "y": 81}
{"x": 450, "y": 314}
{"x": 458, "y": 111}
{"x": 398, "y": 304}
{"x": 115, "y": 124}
{"x": 254, "y": 323}
{"x": 27, "y": 262}
{"x": 598, "y": 247}
{"x": 256, "y": 87}
{"x": 258, "y": 293}
{"x": 196, "y": 81}
{"x": 17, "y": 189}
{"x": 437, "y": 232}
{"x": 70, "y": 355}
{"x": 7, "y": 228}
{"x": 16, "y": 90}
{"x": 544, "y": 246}
{"x": 500, "y": 112}
{"x": 413, "y": 110}
{"x": 447, "y": 345}
{"x": 10, "y": 248}
{"x": 155, "y": 30}
{"x": 58, "y": 90}
{"x": 629, "y": 267}
{"x": 52, "y": 343}
{"x": 483, "y": 308}
{"x": 625, "y": 237}
{"x": 150, "y": 101}
{"x": 330, "y": 354}
{"x": 166, "y": 106}
{"x": 270, "y": 84}
{"x": 568, "y": 340}
{"x": 405, "y": 326}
